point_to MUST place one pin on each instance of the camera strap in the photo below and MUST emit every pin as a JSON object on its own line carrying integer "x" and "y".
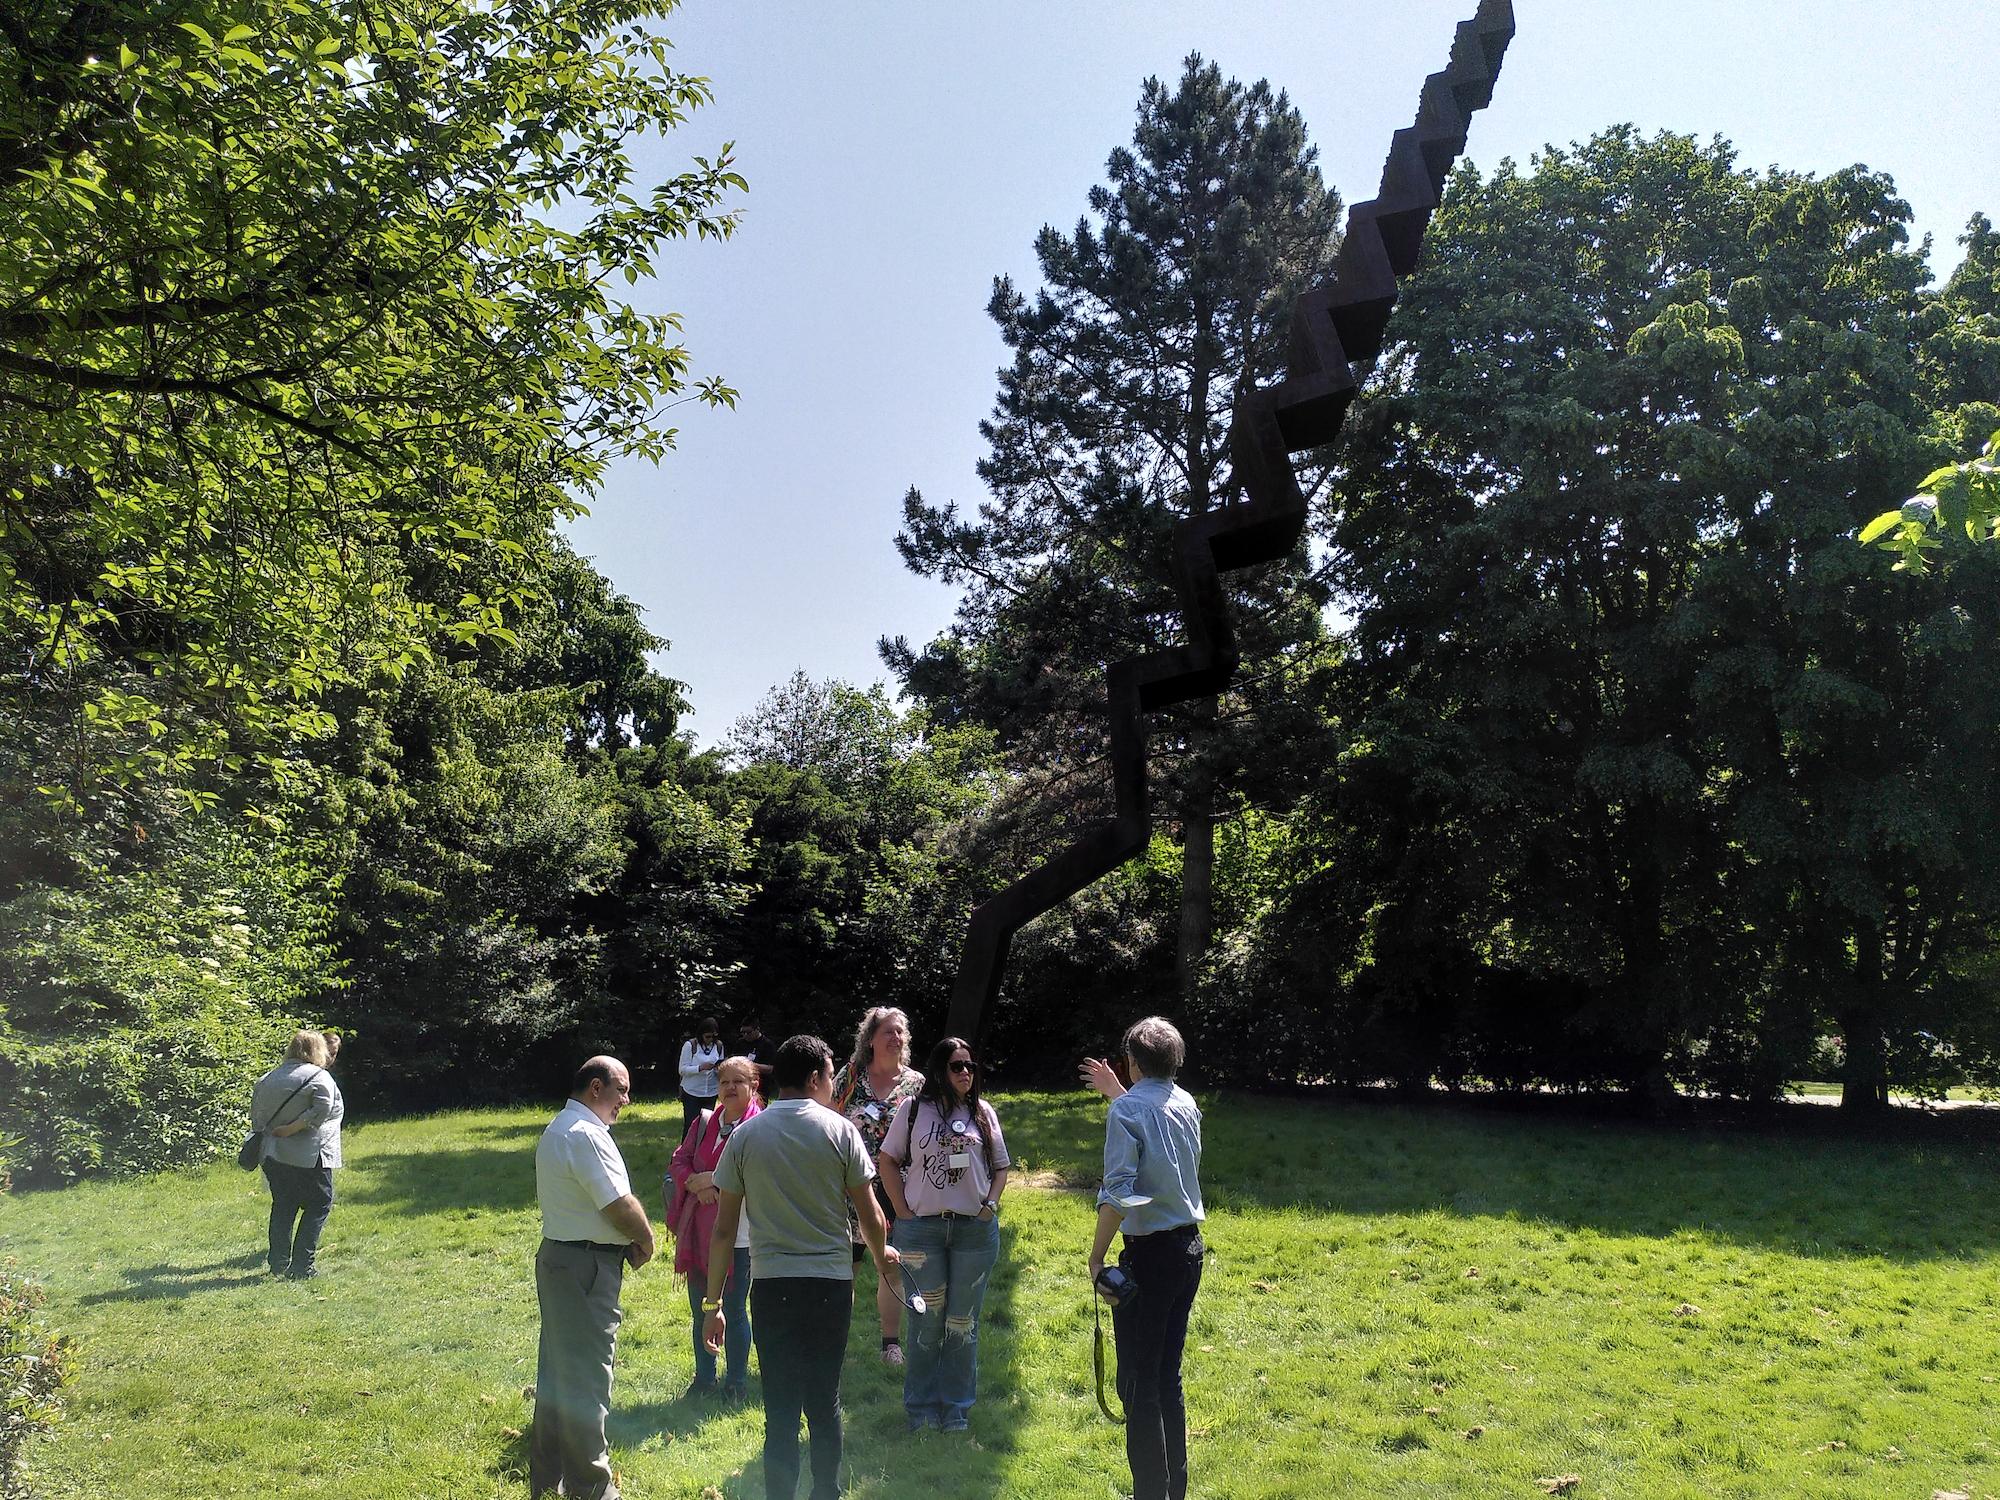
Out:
{"x": 1097, "y": 1356}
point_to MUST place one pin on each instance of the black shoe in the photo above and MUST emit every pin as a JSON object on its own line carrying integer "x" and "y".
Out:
{"x": 308, "y": 1274}
{"x": 701, "y": 1390}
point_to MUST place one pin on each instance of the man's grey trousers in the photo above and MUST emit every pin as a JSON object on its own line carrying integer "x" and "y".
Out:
{"x": 578, "y": 1292}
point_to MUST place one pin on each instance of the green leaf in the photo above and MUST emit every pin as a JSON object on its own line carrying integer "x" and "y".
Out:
{"x": 1881, "y": 525}
{"x": 199, "y": 33}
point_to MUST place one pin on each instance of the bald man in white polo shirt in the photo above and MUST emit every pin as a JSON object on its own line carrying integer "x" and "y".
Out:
{"x": 592, "y": 1228}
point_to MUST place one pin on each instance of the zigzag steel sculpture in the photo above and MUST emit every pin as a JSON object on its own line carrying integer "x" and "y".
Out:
{"x": 1335, "y": 327}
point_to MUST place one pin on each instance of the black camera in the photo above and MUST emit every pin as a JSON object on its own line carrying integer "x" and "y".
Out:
{"x": 1115, "y": 1287}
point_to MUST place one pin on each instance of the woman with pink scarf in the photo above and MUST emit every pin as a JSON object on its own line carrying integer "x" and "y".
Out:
{"x": 691, "y": 1208}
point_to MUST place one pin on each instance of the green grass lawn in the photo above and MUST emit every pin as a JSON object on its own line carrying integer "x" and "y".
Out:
{"x": 1813, "y": 1090}
{"x": 1408, "y": 1302}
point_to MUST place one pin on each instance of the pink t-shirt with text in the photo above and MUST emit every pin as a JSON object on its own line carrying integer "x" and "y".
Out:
{"x": 943, "y": 1155}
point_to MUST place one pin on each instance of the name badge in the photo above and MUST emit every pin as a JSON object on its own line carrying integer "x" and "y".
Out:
{"x": 873, "y": 1111}
{"x": 960, "y": 1160}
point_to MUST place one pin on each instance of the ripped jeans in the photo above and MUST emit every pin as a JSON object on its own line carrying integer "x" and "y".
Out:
{"x": 949, "y": 1258}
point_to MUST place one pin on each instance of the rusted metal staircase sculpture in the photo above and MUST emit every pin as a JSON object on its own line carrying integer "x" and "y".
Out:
{"x": 1336, "y": 328}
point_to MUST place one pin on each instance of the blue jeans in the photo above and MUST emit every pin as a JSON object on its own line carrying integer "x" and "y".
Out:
{"x": 949, "y": 1259}
{"x": 736, "y": 1330}
{"x": 304, "y": 1194}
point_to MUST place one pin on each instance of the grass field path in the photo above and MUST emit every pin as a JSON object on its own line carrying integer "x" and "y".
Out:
{"x": 1398, "y": 1302}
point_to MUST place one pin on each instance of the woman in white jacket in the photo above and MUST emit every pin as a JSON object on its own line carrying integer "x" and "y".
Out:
{"x": 701, "y": 1055}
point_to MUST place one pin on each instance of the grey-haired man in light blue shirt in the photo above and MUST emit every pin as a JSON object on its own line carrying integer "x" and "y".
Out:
{"x": 1151, "y": 1192}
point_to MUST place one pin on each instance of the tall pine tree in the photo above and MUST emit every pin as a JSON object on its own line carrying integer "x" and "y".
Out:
{"x": 1109, "y": 427}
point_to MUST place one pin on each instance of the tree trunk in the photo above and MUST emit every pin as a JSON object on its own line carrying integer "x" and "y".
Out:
{"x": 1864, "y": 1080}
{"x": 1197, "y": 879}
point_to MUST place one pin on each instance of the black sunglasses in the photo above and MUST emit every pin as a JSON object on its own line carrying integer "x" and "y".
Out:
{"x": 959, "y": 1065}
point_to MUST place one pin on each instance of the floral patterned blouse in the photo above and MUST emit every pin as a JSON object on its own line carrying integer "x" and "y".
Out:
{"x": 872, "y": 1112}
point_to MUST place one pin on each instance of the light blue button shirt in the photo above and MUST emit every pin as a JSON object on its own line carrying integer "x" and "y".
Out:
{"x": 1152, "y": 1147}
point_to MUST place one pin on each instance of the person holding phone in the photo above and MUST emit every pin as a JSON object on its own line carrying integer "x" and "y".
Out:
{"x": 701, "y": 1055}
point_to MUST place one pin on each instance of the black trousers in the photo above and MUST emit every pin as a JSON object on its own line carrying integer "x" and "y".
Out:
{"x": 304, "y": 1194}
{"x": 800, "y": 1324}
{"x": 1151, "y": 1331}
{"x": 691, "y": 1107}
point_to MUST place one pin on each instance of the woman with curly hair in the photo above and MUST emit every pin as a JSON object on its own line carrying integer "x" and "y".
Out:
{"x": 876, "y": 1079}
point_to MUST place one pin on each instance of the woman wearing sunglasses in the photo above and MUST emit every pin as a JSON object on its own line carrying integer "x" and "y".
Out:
{"x": 944, "y": 1165}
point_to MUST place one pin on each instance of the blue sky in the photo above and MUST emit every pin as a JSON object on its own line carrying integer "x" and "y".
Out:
{"x": 900, "y": 155}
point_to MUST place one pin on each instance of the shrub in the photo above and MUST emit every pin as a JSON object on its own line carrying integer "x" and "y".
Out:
{"x": 35, "y": 1366}
{"x": 138, "y": 1005}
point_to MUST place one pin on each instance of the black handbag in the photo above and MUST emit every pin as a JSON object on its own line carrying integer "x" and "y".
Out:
{"x": 251, "y": 1152}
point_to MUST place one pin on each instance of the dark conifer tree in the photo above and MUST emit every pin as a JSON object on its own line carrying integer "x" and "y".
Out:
{"x": 1110, "y": 425}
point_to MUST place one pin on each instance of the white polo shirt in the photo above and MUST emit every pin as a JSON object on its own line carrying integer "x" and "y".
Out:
{"x": 578, "y": 1171}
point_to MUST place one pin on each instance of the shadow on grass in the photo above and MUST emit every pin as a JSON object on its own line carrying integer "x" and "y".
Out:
{"x": 491, "y": 1167}
{"x": 526, "y": 1134}
{"x": 496, "y": 1177}
{"x": 680, "y": 1420}
{"x": 882, "y": 1458}
{"x": 167, "y": 1282}
{"x": 1793, "y": 1181}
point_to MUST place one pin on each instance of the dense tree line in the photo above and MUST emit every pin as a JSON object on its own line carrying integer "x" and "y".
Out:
{"x": 1586, "y": 746}
{"x": 1631, "y": 768}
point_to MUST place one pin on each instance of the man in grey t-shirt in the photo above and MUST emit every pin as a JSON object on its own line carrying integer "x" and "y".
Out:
{"x": 801, "y": 1163}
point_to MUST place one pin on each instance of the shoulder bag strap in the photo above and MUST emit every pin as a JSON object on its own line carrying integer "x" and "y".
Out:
{"x": 293, "y": 1095}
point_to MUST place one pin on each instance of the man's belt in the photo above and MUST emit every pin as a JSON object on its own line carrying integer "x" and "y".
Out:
{"x": 587, "y": 1245}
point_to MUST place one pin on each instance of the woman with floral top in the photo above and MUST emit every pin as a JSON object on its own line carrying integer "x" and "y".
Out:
{"x": 876, "y": 1079}
{"x": 944, "y": 1163}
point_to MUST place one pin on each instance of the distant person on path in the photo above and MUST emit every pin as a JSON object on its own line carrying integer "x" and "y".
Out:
{"x": 701, "y": 1055}
{"x": 1152, "y": 1191}
{"x": 876, "y": 1079}
{"x": 298, "y": 1107}
{"x": 944, "y": 1165}
{"x": 797, "y": 1167}
{"x": 592, "y": 1228}
{"x": 693, "y": 1200}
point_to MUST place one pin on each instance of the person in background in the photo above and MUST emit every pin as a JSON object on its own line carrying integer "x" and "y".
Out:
{"x": 593, "y": 1227}
{"x": 797, "y": 1168}
{"x": 1152, "y": 1192}
{"x": 691, "y": 1204}
{"x": 298, "y": 1107}
{"x": 701, "y": 1055}
{"x": 760, "y": 1049}
{"x": 944, "y": 1165}
{"x": 876, "y": 1079}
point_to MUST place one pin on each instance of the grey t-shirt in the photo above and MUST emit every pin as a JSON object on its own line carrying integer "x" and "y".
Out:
{"x": 793, "y": 1163}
